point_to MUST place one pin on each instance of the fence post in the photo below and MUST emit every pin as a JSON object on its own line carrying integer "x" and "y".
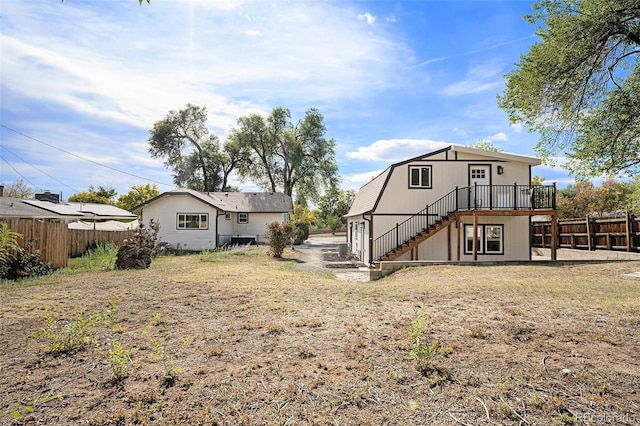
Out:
{"x": 628, "y": 231}
{"x": 588, "y": 224}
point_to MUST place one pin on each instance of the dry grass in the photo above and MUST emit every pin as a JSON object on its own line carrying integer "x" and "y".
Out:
{"x": 251, "y": 340}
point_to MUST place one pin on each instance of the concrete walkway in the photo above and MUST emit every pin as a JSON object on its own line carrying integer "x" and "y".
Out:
{"x": 311, "y": 257}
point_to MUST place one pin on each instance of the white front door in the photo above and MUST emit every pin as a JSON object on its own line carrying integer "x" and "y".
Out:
{"x": 480, "y": 174}
{"x": 479, "y": 180}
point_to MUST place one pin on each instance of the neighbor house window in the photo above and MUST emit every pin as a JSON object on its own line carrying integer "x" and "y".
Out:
{"x": 420, "y": 177}
{"x": 286, "y": 217}
{"x": 490, "y": 239}
{"x": 243, "y": 217}
{"x": 227, "y": 216}
{"x": 193, "y": 221}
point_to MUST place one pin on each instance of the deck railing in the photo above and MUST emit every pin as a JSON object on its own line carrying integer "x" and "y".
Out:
{"x": 476, "y": 197}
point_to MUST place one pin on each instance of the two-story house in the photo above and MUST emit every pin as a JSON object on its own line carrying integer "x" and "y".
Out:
{"x": 453, "y": 204}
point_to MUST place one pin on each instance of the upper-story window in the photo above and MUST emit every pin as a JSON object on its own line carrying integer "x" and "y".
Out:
{"x": 193, "y": 221}
{"x": 419, "y": 176}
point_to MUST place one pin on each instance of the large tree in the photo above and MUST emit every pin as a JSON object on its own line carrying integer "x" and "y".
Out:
{"x": 18, "y": 189}
{"x": 102, "y": 195}
{"x": 579, "y": 86}
{"x": 207, "y": 166}
{"x": 137, "y": 195}
{"x": 334, "y": 205}
{"x": 286, "y": 156}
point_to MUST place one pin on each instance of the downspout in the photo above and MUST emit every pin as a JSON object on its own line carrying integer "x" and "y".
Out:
{"x": 217, "y": 229}
{"x": 370, "y": 220}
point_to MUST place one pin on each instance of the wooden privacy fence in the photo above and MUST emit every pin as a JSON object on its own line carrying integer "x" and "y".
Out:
{"x": 590, "y": 233}
{"x": 79, "y": 240}
{"x": 57, "y": 242}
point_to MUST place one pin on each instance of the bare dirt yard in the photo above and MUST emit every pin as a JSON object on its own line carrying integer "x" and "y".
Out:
{"x": 243, "y": 339}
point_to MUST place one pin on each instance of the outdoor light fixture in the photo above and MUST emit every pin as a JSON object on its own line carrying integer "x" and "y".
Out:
{"x": 500, "y": 170}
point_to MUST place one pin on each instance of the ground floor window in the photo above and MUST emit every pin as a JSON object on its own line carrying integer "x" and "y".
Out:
{"x": 243, "y": 217}
{"x": 193, "y": 221}
{"x": 490, "y": 239}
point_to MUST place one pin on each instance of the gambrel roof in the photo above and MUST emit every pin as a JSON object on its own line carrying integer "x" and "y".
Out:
{"x": 369, "y": 194}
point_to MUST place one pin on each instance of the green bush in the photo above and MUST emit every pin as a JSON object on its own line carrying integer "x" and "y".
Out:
{"x": 23, "y": 264}
{"x": 137, "y": 252}
{"x": 280, "y": 235}
{"x": 302, "y": 232}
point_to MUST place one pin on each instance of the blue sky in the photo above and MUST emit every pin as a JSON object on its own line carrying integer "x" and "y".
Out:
{"x": 83, "y": 81}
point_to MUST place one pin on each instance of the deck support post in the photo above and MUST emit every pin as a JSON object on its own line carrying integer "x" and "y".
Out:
{"x": 475, "y": 236}
{"x": 554, "y": 236}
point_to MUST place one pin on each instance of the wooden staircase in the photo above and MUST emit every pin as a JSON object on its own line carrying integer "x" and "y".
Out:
{"x": 439, "y": 225}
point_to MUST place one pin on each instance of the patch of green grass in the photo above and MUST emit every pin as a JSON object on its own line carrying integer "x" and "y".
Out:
{"x": 100, "y": 259}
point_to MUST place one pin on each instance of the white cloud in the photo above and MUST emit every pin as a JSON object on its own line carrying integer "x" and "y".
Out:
{"x": 390, "y": 19}
{"x": 91, "y": 62}
{"x": 371, "y": 19}
{"x": 393, "y": 150}
{"x": 501, "y": 136}
{"x": 478, "y": 79}
{"x": 356, "y": 180}
{"x": 460, "y": 132}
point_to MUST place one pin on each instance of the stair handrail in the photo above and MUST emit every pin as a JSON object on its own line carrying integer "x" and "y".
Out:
{"x": 540, "y": 197}
{"x": 414, "y": 225}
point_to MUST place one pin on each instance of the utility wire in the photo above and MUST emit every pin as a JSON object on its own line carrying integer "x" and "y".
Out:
{"x": 15, "y": 170}
{"x": 41, "y": 171}
{"x": 86, "y": 159}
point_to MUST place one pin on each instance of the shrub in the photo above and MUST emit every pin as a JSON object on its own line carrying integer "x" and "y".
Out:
{"x": 302, "y": 232}
{"x": 23, "y": 264}
{"x": 136, "y": 252}
{"x": 8, "y": 241}
{"x": 73, "y": 335}
{"x": 280, "y": 235}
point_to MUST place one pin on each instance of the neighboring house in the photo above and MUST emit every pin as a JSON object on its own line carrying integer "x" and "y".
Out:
{"x": 61, "y": 211}
{"x": 200, "y": 220}
{"x": 457, "y": 203}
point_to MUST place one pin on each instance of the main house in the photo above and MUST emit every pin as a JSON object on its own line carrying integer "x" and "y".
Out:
{"x": 195, "y": 220}
{"x": 454, "y": 204}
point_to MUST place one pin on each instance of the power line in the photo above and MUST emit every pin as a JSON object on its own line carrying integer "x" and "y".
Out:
{"x": 15, "y": 170}
{"x": 85, "y": 159}
{"x": 41, "y": 171}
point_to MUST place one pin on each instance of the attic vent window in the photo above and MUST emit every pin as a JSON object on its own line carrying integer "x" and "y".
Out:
{"x": 420, "y": 177}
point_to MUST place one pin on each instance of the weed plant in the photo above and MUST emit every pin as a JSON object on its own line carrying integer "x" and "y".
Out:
{"x": 421, "y": 349}
{"x": 73, "y": 335}
{"x": 100, "y": 259}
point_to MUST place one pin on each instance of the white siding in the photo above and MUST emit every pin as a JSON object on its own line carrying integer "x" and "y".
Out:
{"x": 166, "y": 209}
